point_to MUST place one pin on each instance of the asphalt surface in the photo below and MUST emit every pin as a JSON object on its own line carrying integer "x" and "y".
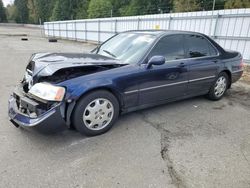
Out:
{"x": 190, "y": 143}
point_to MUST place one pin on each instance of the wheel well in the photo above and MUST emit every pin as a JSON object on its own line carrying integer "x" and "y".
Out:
{"x": 116, "y": 94}
{"x": 229, "y": 76}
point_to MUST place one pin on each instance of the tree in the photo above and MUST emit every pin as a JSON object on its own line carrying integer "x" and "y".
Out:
{"x": 135, "y": 7}
{"x": 128, "y": 10}
{"x": 140, "y": 7}
{"x": 117, "y": 5}
{"x": 61, "y": 10}
{"x": 32, "y": 11}
{"x": 11, "y": 12}
{"x": 22, "y": 11}
{"x": 186, "y": 5}
{"x": 80, "y": 9}
{"x": 99, "y": 8}
{"x": 237, "y": 4}
{"x": 158, "y": 6}
{"x": 3, "y": 17}
{"x": 44, "y": 8}
{"x": 208, "y": 4}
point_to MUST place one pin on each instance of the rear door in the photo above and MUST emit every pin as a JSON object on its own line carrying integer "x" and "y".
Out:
{"x": 203, "y": 63}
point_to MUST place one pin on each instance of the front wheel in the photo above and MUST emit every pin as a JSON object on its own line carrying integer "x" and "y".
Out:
{"x": 96, "y": 113}
{"x": 219, "y": 87}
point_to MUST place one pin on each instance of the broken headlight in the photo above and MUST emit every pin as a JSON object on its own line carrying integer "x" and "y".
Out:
{"x": 47, "y": 92}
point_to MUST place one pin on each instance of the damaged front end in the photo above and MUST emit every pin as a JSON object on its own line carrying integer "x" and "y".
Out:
{"x": 39, "y": 101}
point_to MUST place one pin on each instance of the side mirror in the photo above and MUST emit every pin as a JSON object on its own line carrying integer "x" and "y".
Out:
{"x": 155, "y": 60}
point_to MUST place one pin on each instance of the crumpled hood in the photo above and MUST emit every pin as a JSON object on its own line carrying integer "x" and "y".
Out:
{"x": 48, "y": 63}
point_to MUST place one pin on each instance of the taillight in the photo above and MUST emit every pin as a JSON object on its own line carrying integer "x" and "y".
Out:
{"x": 241, "y": 64}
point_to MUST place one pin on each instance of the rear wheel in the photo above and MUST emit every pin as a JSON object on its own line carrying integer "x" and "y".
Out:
{"x": 219, "y": 87}
{"x": 96, "y": 113}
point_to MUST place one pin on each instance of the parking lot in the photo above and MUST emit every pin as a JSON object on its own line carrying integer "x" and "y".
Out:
{"x": 190, "y": 143}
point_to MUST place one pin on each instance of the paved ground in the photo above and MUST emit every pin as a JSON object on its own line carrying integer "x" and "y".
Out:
{"x": 191, "y": 143}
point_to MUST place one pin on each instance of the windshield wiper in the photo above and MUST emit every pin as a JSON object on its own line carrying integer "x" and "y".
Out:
{"x": 106, "y": 51}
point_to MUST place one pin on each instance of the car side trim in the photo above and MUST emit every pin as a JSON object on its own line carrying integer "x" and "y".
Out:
{"x": 166, "y": 85}
{"x": 237, "y": 71}
{"x": 132, "y": 91}
{"x": 204, "y": 78}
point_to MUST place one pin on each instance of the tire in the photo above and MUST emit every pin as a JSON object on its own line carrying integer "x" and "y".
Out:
{"x": 52, "y": 40}
{"x": 216, "y": 92}
{"x": 95, "y": 113}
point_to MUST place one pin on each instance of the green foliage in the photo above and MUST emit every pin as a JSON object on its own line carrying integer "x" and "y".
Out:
{"x": 62, "y": 10}
{"x": 11, "y": 12}
{"x": 99, "y": 8}
{"x": 139, "y": 7}
{"x": 186, "y": 5}
{"x": 81, "y": 11}
{"x": 3, "y": 17}
{"x": 117, "y": 6}
{"x": 44, "y": 9}
{"x": 29, "y": 11}
{"x": 69, "y": 9}
{"x": 132, "y": 9}
{"x": 22, "y": 11}
{"x": 208, "y": 4}
{"x": 32, "y": 12}
{"x": 237, "y": 4}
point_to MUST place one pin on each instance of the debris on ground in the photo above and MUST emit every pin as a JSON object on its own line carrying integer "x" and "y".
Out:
{"x": 24, "y": 39}
{"x": 14, "y": 35}
{"x": 52, "y": 40}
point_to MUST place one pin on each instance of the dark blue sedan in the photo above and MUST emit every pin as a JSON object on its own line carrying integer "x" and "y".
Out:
{"x": 130, "y": 71}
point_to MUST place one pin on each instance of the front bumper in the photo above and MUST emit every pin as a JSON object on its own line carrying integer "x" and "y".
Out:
{"x": 49, "y": 121}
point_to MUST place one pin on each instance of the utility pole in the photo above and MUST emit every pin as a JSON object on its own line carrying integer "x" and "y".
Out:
{"x": 40, "y": 23}
{"x": 212, "y": 17}
{"x": 214, "y": 5}
{"x": 111, "y": 13}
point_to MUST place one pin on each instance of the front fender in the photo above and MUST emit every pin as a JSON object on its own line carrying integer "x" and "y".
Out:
{"x": 78, "y": 87}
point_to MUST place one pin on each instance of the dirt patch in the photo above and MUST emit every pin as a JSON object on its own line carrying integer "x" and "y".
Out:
{"x": 240, "y": 93}
{"x": 246, "y": 75}
{"x": 219, "y": 107}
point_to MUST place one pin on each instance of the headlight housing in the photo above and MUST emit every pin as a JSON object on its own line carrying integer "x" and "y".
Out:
{"x": 47, "y": 92}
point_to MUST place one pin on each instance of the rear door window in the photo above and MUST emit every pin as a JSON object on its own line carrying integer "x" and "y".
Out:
{"x": 198, "y": 46}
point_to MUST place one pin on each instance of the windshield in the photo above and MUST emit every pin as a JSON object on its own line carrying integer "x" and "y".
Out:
{"x": 127, "y": 47}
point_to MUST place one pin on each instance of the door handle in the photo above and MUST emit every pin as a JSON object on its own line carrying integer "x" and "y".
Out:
{"x": 181, "y": 65}
{"x": 215, "y": 61}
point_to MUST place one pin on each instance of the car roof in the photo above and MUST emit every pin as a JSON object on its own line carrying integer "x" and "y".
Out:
{"x": 158, "y": 32}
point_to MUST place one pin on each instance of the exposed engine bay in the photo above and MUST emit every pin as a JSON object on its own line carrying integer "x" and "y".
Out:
{"x": 67, "y": 73}
{"x": 58, "y": 67}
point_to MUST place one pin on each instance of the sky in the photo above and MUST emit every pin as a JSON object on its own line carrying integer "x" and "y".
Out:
{"x": 6, "y": 2}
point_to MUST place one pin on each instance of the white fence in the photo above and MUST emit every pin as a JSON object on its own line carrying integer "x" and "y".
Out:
{"x": 230, "y": 28}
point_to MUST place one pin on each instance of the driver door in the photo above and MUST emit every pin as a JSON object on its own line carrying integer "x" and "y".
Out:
{"x": 167, "y": 81}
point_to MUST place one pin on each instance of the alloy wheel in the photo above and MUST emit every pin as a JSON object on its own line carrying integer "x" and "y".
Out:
{"x": 220, "y": 86}
{"x": 98, "y": 114}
